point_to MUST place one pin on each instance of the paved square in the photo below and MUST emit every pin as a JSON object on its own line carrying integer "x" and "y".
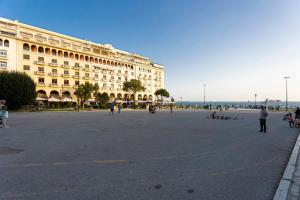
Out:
{"x": 137, "y": 156}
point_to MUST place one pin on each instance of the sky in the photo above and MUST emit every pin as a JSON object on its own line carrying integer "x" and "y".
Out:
{"x": 237, "y": 48}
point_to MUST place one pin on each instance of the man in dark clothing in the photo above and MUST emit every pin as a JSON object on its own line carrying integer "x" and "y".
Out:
{"x": 263, "y": 119}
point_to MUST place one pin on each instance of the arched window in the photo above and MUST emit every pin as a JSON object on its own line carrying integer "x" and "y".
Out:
{"x": 81, "y": 57}
{"x": 60, "y": 53}
{"x": 47, "y": 51}
{"x": 25, "y": 47}
{"x": 6, "y": 43}
{"x": 96, "y": 60}
{"x": 86, "y": 58}
{"x": 71, "y": 55}
{"x": 41, "y": 50}
{"x": 53, "y": 52}
{"x": 76, "y": 56}
{"x": 66, "y": 55}
{"x": 33, "y": 48}
{"x": 1, "y": 42}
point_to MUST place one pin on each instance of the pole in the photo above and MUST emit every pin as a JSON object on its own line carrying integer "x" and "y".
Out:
{"x": 78, "y": 94}
{"x": 255, "y": 100}
{"x": 180, "y": 101}
{"x": 204, "y": 85}
{"x": 286, "y": 93}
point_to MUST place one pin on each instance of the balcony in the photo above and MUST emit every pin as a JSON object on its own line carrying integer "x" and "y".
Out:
{"x": 55, "y": 85}
{"x": 119, "y": 74}
{"x": 39, "y": 72}
{"x": 66, "y": 66}
{"x": 66, "y": 85}
{"x": 40, "y": 84}
{"x": 111, "y": 88}
{"x": 53, "y": 64}
{"x": 52, "y": 74}
{"x": 111, "y": 80}
{"x": 104, "y": 88}
{"x": 76, "y": 67}
{"x": 3, "y": 56}
{"x": 112, "y": 73}
{"x": 95, "y": 78}
{"x": 119, "y": 81}
{"x": 104, "y": 72}
{"x": 86, "y": 78}
{"x": 104, "y": 79}
{"x": 87, "y": 69}
{"x": 40, "y": 62}
{"x": 119, "y": 89}
{"x": 76, "y": 76}
{"x": 96, "y": 70}
{"x": 65, "y": 75}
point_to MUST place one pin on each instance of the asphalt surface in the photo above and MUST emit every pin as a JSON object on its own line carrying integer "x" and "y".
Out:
{"x": 141, "y": 156}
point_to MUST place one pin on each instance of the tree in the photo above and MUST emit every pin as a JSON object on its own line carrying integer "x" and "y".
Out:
{"x": 162, "y": 93}
{"x": 84, "y": 92}
{"x": 102, "y": 99}
{"x": 133, "y": 86}
{"x": 17, "y": 88}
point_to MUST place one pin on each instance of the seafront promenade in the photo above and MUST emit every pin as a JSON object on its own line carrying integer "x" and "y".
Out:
{"x": 137, "y": 156}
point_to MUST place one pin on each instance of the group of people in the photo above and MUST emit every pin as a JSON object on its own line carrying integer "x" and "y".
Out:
{"x": 3, "y": 114}
{"x": 214, "y": 115}
{"x": 293, "y": 122}
{"x": 112, "y": 108}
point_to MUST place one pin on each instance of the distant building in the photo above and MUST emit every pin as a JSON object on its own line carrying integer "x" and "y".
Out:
{"x": 58, "y": 63}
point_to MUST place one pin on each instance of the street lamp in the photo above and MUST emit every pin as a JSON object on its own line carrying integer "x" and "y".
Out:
{"x": 286, "y": 92}
{"x": 204, "y": 85}
{"x": 255, "y": 95}
{"x": 180, "y": 101}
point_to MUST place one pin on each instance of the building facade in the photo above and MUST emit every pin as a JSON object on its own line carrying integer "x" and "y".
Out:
{"x": 58, "y": 63}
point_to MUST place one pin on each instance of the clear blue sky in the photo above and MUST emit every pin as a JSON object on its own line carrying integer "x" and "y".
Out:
{"x": 236, "y": 47}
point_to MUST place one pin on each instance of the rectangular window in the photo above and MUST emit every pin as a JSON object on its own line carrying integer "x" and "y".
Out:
{"x": 3, "y": 53}
{"x": 77, "y": 73}
{"x": 54, "y": 61}
{"x": 112, "y": 85}
{"x": 87, "y": 74}
{"x": 66, "y": 82}
{"x": 54, "y": 71}
{"x": 3, "y": 64}
{"x": 26, "y": 67}
{"x": 87, "y": 66}
{"x": 41, "y": 59}
{"x": 76, "y": 64}
{"x": 41, "y": 69}
{"x": 66, "y": 72}
{"x": 66, "y": 63}
{"x": 96, "y": 75}
{"x": 119, "y": 78}
{"x": 104, "y": 76}
{"x": 119, "y": 71}
{"x": 26, "y": 57}
{"x": 76, "y": 82}
{"x": 104, "y": 84}
{"x": 41, "y": 80}
{"x": 54, "y": 81}
{"x": 112, "y": 77}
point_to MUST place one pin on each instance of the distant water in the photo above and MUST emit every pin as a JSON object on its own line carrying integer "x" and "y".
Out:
{"x": 240, "y": 104}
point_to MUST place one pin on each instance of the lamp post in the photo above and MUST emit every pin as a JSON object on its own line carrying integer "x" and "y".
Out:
{"x": 286, "y": 92}
{"x": 78, "y": 94}
{"x": 255, "y": 95}
{"x": 204, "y": 85}
{"x": 180, "y": 101}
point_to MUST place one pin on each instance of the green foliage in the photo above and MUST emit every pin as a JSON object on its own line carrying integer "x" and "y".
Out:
{"x": 69, "y": 104}
{"x": 17, "y": 88}
{"x": 162, "y": 93}
{"x": 84, "y": 91}
{"x": 172, "y": 99}
{"x": 133, "y": 86}
{"x": 102, "y": 99}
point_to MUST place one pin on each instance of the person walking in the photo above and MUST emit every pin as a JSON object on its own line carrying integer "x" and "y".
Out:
{"x": 112, "y": 108}
{"x": 119, "y": 108}
{"x": 171, "y": 108}
{"x": 297, "y": 116}
{"x": 263, "y": 119}
{"x": 290, "y": 119}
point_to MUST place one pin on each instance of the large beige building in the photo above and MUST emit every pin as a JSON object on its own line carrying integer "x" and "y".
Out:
{"x": 58, "y": 63}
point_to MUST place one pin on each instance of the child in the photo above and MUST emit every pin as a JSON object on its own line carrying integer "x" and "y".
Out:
{"x": 290, "y": 118}
{"x": 4, "y": 114}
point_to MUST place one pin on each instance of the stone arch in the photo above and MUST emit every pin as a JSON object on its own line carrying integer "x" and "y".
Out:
{"x": 96, "y": 60}
{"x": 112, "y": 95}
{"x": 25, "y": 47}
{"x": 47, "y": 51}
{"x": 1, "y": 42}
{"x": 60, "y": 53}
{"x": 6, "y": 43}
{"x": 100, "y": 61}
{"x": 33, "y": 48}
{"x": 104, "y": 62}
{"x": 40, "y": 50}
{"x": 41, "y": 93}
{"x": 53, "y": 52}
{"x": 119, "y": 96}
{"x": 126, "y": 96}
{"x": 91, "y": 59}
{"x": 81, "y": 57}
{"x": 66, "y": 54}
{"x": 76, "y": 57}
{"x": 86, "y": 58}
{"x": 150, "y": 97}
{"x": 54, "y": 94}
{"x": 131, "y": 96}
{"x": 71, "y": 55}
{"x": 140, "y": 97}
{"x": 108, "y": 62}
{"x": 145, "y": 97}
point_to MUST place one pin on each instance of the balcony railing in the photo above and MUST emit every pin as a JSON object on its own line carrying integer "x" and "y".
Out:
{"x": 40, "y": 84}
{"x": 111, "y": 88}
{"x": 86, "y": 69}
{"x": 66, "y": 66}
{"x": 39, "y": 72}
{"x": 112, "y": 73}
{"x": 96, "y": 70}
{"x": 66, "y": 85}
{"x": 86, "y": 78}
{"x": 104, "y": 88}
{"x": 53, "y": 85}
{"x": 53, "y": 64}
{"x": 104, "y": 79}
{"x": 76, "y": 67}
{"x": 119, "y": 81}
{"x": 52, "y": 74}
{"x": 3, "y": 55}
{"x": 40, "y": 62}
{"x": 104, "y": 72}
{"x": 111, "y": 80}
{"x": 76, "y": 76}
{"x": 65, "y": 75}
{"x": 95, "y": 78}
{"x": 119, "y": 74}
